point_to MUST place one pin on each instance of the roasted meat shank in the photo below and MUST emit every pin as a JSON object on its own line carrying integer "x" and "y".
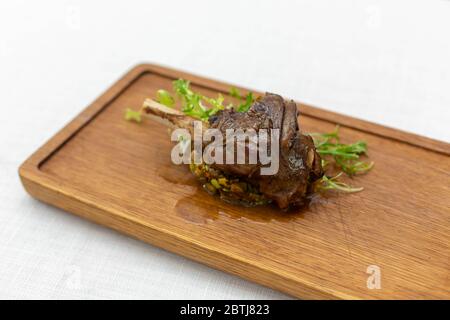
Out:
{"x": 299, "y": 163}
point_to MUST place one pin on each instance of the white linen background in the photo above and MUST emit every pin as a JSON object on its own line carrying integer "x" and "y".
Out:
{"x": 384, "y": 61}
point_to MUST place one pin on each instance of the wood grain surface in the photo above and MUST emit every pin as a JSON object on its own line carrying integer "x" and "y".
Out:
{"x": 119, "y": 174}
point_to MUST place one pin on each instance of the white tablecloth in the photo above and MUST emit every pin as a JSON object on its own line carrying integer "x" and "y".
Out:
{"x": 387, "y": 62}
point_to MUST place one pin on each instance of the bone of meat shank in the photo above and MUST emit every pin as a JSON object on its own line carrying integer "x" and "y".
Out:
{"x": 299, "y": 163}
{"x": 170, "y": 117}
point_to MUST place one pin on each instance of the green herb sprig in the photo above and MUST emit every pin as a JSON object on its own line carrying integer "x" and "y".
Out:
{"x": 193, "y": 103}
{"x": 344, "y": 156}
{"x": 132, "y": 115}
{"x": 332, "y": 183}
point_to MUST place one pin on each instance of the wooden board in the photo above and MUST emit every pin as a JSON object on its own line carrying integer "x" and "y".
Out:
{"x": 119, "y": 174}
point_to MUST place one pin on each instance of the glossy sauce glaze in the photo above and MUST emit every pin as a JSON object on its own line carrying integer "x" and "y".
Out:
{"x": 192, "y": 209}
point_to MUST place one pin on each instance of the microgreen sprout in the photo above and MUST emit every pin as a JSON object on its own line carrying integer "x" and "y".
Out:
{"x": 165, "y": 98}
{"x": 326, "y": 183}
{"x": 132, "y": 115}
{"x": 345, "y": 156}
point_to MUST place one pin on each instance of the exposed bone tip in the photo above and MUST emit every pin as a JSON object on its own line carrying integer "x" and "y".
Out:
{"x": 152, "y": 106}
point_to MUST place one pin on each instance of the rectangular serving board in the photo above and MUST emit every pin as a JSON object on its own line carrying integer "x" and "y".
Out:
{"x": 391, "y": 241}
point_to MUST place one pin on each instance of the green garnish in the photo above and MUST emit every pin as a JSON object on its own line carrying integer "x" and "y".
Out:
{"x": 132, "y": 115}
{"x": 234, "y": 92}
{"x": 352, "y": 168}
{"x": 243, "y": 107}
{"x": 248, "y": 99}
{"x": 164, "y": 97}
{"x": 192, "y": 102}
{"x": 344, "y": 156}
{"x": 327, "y": 183}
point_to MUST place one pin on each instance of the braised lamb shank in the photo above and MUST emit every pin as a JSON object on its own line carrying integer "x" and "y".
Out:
{"x": 299, "y": 163}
